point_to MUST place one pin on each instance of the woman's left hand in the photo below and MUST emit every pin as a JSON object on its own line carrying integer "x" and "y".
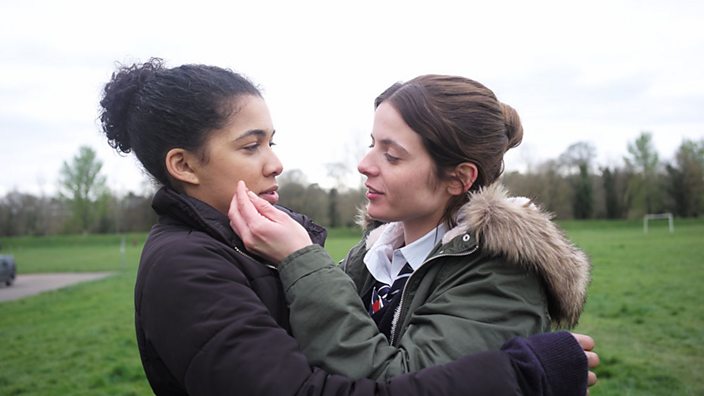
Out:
{"x": 264, "y": 229}
{"x": 587, "y": 344}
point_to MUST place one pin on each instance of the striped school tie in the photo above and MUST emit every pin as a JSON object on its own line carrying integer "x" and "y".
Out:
{"x": 383, "y": 294}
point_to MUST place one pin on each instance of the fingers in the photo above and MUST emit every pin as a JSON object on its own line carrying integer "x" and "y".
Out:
{"x": 263, "y": 228}
{"x": 591, "y": 378}
{"x": 592, "y": 359}
{"x": 238, "y": 224}
{"x": 585, "y": 341}
{"x": 244, "y": 205}
{"x": 265, "y": 208}
{"x": 242, "y": 213}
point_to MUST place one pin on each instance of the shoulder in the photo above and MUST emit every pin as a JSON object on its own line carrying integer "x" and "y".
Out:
{"x": 525, "y": 235}
{"x": 174, "y": 255}
{"x": 497, "y": 270}
{"x": 174, "y": 242}
{"x": 491, "y": 271}
{"x": 196, "y": 269}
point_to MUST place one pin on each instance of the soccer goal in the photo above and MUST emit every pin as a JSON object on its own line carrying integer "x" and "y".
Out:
{"x": 658, "y": 216}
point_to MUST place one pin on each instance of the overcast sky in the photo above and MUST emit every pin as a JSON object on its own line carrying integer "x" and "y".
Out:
{"x": 598, "y": 71}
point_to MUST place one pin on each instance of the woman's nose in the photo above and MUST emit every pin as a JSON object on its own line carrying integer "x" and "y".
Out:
{"x": 366, "y": 166}
{"x": 273, "y": 166}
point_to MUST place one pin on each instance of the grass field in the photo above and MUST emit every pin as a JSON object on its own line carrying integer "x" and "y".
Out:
{"x": 645, "y": 306}
{"x": 644, "y": 309}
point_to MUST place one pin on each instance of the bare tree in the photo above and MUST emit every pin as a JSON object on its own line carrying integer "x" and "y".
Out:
{"x": 546, "y": 186}
{"x": 293, "y": 176}
{"x": 350, "y": 204}
{"x": 135, "y": 213}
{"x": 338, "y": 172}
{"x": 580, "y": 156}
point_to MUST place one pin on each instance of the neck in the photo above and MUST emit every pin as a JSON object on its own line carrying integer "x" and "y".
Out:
{"x": 413, "y": 232}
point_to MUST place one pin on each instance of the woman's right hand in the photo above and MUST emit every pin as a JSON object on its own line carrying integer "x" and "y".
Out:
{"x": 587, "y": 344}
{"x": 264, "y": 229}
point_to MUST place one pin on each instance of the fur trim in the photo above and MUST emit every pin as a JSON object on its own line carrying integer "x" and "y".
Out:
{"x": 517, "y": 229}
{"x": 364, "y": 221}
{"x": 524, "y": 234}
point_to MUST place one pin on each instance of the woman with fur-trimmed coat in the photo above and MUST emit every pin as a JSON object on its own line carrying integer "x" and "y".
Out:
{"x": 504, "y": 270}
{"x": 455, "y": 266}
{"x": 211, "y": 317}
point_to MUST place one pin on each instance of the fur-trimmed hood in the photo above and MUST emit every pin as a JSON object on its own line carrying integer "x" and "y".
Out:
{"x": 524, "y": 234}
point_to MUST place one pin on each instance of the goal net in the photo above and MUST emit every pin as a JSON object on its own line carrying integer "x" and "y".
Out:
{"x": 658, "y": 216}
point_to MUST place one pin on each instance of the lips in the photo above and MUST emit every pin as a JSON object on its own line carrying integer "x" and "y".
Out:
{"x": 372, "y": 189}
{"x": 270, "y": 195}
{"x": 373, "y": 193}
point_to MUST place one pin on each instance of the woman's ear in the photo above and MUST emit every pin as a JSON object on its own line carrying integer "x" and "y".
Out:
{"x": 463, "y": 176}
{"x": 179, "y": 164}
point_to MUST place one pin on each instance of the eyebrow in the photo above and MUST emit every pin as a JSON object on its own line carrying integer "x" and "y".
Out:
{"x": 254, "y": 132}
{"x": 389, "y": 142}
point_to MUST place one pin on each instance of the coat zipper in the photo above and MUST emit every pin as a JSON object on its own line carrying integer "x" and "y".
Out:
{"x": 252, "y": 258}
{"x": 397, "y": 314}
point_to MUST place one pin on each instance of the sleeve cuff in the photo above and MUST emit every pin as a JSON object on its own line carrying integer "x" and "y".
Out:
{"x": 564, "y": 362}
{"x": 303, "y": 262}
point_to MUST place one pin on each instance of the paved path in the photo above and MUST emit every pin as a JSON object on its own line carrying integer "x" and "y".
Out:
{"x": 31, "y": 284}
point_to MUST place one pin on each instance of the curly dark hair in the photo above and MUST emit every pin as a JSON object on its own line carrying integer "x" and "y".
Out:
{"x": 150, "y": 109}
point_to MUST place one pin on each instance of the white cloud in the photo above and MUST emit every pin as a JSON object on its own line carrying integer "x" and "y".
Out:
{"x": 601, "y": 71}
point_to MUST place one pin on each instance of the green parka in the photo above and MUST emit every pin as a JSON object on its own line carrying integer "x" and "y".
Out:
{"x": 505, "y": 270}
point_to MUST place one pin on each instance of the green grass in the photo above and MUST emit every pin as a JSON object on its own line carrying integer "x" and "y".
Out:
{"x": 644, "y": 310}
{"x": 78, "y": 340}
{"x": 340, "y": 241}
{"x": 644, "y": 306}
{"x": 73, "y": 253}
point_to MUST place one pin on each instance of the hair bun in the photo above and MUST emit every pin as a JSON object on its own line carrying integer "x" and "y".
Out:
{"x": 121, "y": 93}
{"x": 514, "y": 128}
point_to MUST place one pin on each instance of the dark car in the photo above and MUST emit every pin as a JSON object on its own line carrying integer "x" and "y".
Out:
{"x": 8, "y": 270}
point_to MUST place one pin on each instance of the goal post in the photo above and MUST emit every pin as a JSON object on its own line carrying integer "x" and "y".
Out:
{"x": 658, "y": 216}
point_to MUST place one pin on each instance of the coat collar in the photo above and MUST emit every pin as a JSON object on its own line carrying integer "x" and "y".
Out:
{"x": 199, "y": 215}
{"x": 523, "y": 233}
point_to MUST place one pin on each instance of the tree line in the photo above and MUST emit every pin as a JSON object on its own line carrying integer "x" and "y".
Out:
{"x": 571, "y": 186}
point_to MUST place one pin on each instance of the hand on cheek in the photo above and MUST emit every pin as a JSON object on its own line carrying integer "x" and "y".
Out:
{"x": 264, "y": 229}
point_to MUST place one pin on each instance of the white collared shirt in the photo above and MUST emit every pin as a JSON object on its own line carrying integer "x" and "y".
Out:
{"x": 385, "y": 259}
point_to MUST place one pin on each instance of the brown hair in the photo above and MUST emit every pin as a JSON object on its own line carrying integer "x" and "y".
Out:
{"x": 459, "y": 120}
